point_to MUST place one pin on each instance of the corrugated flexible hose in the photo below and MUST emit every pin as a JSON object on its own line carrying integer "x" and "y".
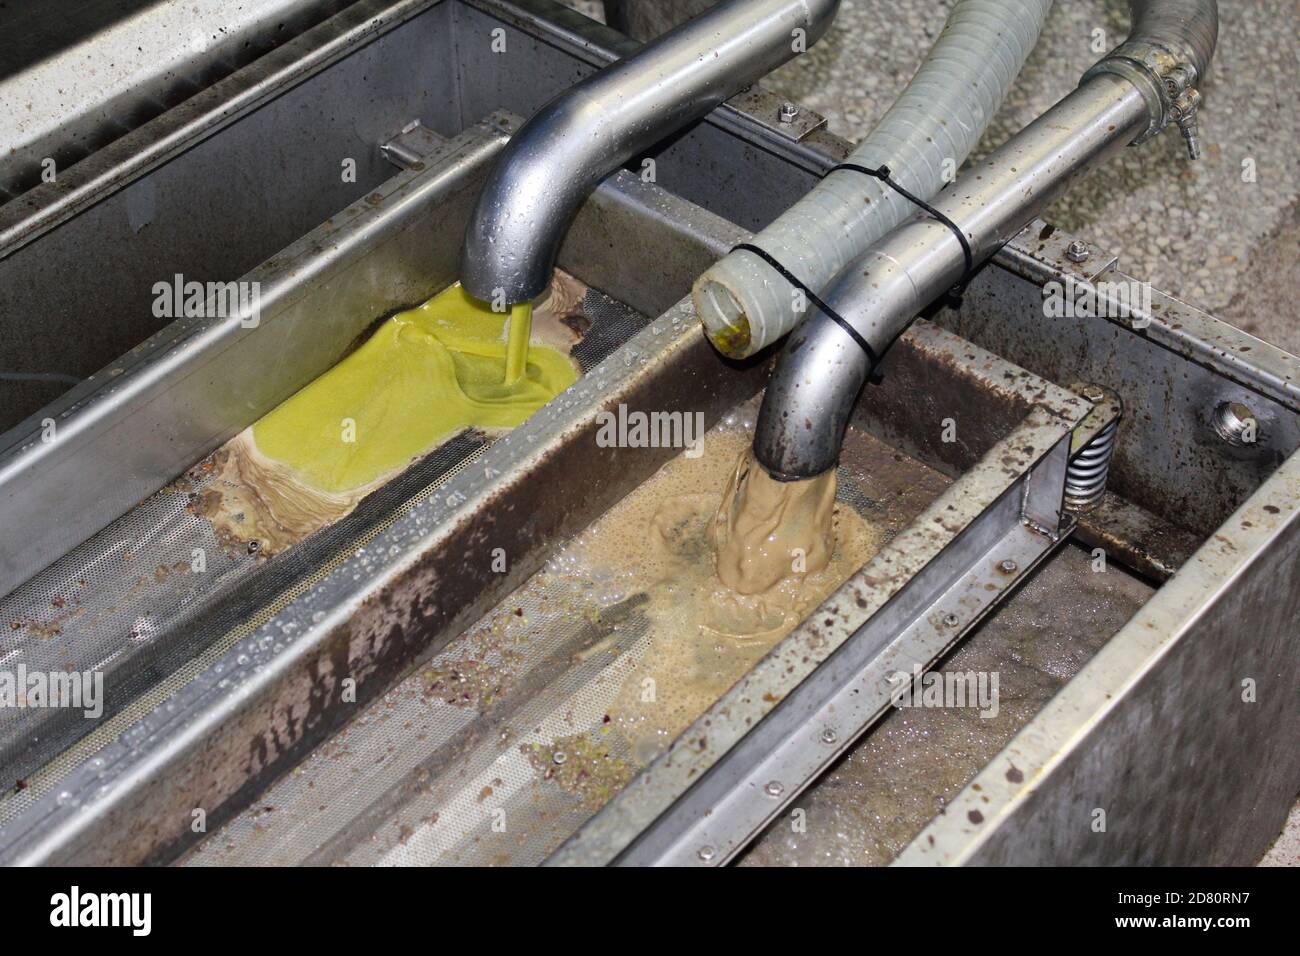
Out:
{"x": 745, "y": 304}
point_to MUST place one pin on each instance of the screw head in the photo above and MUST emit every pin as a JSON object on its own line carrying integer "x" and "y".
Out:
{"x": 1009, "y": 566}
{"x": 788, "y": 112}
{"x": 1077, "y": 251}
{"x": 558, "y": 757}
{"x": 774, "y": 788}
{"x": 705, "y": 853}
{"x": 951, "y": 620}
{"x": 829, "y": 736}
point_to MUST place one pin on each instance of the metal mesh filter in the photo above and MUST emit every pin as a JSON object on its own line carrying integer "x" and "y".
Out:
{"x": 130, "y": 603}
{"x": 492, "y": 753}
{"x": 109, "y": 606}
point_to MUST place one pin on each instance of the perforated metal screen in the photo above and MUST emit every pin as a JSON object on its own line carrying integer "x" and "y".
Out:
{"x": 129, "y": 604}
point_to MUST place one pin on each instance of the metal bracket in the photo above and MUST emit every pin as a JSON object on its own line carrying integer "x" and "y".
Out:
{"x": 777, "y": 114}
{"x": 1041, "y": 246}
{"x": 412, "y": 146}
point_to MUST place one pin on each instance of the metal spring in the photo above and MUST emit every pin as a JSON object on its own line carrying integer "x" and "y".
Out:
{"x": 1085, "y": 478}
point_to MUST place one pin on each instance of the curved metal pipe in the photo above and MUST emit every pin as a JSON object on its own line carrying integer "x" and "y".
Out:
{"x": 560, "y": 155}
{"x": 821, "y": 371}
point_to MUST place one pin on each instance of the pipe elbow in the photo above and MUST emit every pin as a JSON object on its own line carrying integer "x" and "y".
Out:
{"x": 528, "y": 202}
{"x": 812, "y": 392}
{"x": 809, "y": 401}
{"x": 563, "y": 152}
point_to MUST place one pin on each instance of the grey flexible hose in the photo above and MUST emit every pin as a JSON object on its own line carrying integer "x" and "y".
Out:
{"x": 745, "y": 304}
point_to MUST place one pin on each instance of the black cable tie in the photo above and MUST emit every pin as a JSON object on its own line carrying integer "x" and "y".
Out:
{"x": 882, "y": 173}
{"x": 826, "y": 309}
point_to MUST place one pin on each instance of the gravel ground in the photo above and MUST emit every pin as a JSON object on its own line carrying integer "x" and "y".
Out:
{"x": 1221, "y": 233}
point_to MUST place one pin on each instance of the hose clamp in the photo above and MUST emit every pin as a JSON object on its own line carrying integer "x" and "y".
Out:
{"x": 1167, "y": 81}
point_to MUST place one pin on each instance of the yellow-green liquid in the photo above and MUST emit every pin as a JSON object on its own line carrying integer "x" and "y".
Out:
{"x": 521, "y": 329}
{"x": 423, "y": 375}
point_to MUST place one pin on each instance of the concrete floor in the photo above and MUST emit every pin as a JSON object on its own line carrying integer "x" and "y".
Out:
{"x": 1286, "y": 849}
{"x": 1221, "y": 233}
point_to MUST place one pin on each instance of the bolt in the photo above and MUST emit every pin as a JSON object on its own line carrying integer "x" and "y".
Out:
{"x": 558, "y": 757}
{"x": 1009, "y": 566}
{"x": 951, "y": 620}
{"x": 1093, "y": 393}
{"x": 788, "y": 112}
{"x": 775, "y": 788}
{"x": 254, "y": 547}
{"x": 829, "y": 736}
{"x": 705, "y": 853}
{"x": 1184, "y": 111}
{"x": 1077, "y": 251}
{"x": 1191, "y": 134}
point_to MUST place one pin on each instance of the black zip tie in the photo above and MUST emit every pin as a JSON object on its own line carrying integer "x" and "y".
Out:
{"x": 830, "y": 313}
{"x": 882, "y": 173}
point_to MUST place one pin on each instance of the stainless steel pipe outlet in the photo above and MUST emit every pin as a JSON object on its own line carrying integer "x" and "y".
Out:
{"x": 572, "y": 143}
